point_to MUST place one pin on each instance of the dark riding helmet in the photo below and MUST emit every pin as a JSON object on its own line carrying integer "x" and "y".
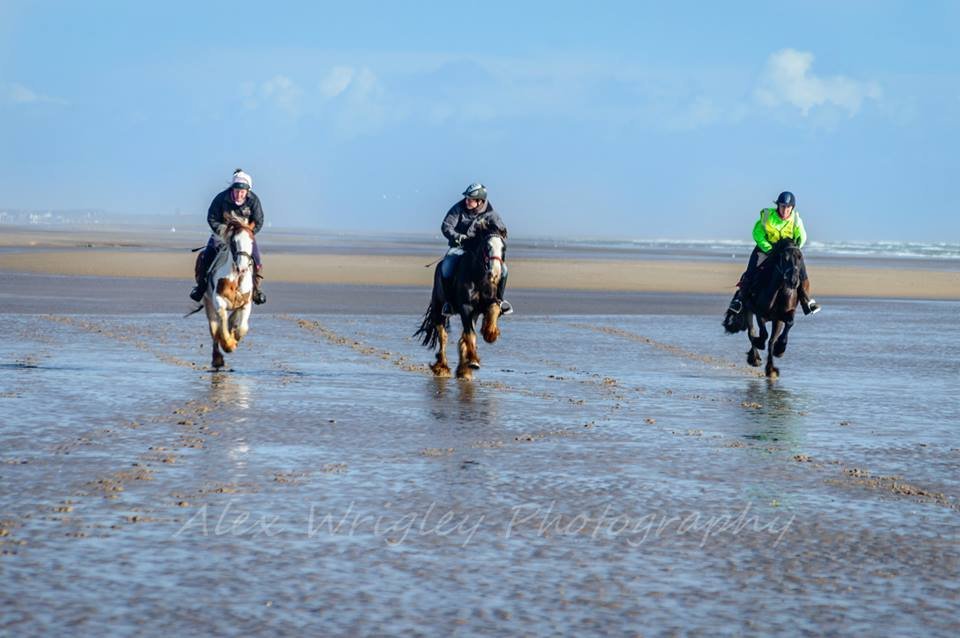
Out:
{"x": 476, "y": 191}
{"x": 787, "y": 199}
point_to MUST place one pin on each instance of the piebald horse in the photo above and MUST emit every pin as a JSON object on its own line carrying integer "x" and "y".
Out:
{"x": 773, "y": 297}
{"x": 229, "y": 289}
{"x": 474, "y": 293}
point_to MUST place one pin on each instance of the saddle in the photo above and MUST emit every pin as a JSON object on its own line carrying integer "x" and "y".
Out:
{"x": 201, "y": 269}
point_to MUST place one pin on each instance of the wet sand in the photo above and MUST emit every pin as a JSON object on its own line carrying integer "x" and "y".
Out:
{"x": 614, "y": 468}
{"x": 602, "y": 474}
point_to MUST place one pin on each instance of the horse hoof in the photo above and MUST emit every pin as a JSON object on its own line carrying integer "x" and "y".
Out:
{"x": 440, "y": 370}
{"x": 474, "y": 365}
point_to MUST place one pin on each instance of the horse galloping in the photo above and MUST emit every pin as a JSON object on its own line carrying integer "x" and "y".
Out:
{"x": 473, "y": 292}
{"x": 227, "y": 300}
{"x": 772, "y": 297}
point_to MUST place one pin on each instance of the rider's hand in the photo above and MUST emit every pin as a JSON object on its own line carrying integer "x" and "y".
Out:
{"x": 459, "y": 239}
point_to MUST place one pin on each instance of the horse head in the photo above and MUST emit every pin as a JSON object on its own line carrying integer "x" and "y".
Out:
{"x": 488, "y": 247}
{"x": 786, "y": 257}
{"x": 238, "y": 234}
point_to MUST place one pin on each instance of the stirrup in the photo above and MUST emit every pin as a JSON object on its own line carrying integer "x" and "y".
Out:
{"x": 505, "y": 308}
{"x": 447, "y": 310}
{"x": 258, "y": 297}
{"x": 736, "y": 306}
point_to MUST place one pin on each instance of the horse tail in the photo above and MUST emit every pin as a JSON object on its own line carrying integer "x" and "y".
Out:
{"x": 429, "y": 336}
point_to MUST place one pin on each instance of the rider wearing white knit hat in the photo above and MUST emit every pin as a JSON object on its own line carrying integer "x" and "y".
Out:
{"x": 238, "y": 200}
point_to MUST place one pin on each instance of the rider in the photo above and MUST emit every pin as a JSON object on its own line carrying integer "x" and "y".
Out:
{"x": 775, "y": 224}
{"x": 457, "y": 227}
{"x": 240, "y": 201}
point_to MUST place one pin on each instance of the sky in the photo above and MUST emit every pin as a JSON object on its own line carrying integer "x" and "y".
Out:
{"x": 623, "y": 120}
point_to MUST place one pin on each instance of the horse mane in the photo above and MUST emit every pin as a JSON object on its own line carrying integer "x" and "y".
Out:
{"x": 235, "y": 225}
{"x": 780, "y": 271}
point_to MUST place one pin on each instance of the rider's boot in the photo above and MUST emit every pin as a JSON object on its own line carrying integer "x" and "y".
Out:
{"x": 808, "y": 303}
{"x": 258, "y": 296}
{"x": 505, "y": 307}
{"x": 200, "y": 274}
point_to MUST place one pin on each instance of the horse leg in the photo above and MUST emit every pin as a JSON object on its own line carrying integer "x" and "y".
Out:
{"x": 242, "y": 325}
{"x": 469, "y": 360}
{"x": 225, "y": 336}
{"x": 781, "y": 345}
{"x": 489, "y": 328}
{"x": 440, "y": 367}
{"x": 217, "y": 360}
{"x": 213, "y": 323}
{"x": 772, "y": 371}
{"x": 759, "y": 338}
{"x": 753, "y": 357}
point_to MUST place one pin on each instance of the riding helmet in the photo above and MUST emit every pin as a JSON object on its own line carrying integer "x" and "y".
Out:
{"x": 476, "y": 191}
{"x": 787, "y": 199}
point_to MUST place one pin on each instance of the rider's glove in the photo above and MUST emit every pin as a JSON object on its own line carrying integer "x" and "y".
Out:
{"x": 459, "y": 239}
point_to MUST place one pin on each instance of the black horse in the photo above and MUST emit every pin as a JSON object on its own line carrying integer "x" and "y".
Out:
{"x": 473, "y": 292}
{"x": 772, "y": 297}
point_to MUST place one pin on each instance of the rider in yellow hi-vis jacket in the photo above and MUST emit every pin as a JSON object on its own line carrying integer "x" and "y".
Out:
{"x": 782, "y": 222}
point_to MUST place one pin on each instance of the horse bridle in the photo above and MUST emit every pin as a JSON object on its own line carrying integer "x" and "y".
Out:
{"x": 487, "y": 257}
{"x": 240, "y": 253}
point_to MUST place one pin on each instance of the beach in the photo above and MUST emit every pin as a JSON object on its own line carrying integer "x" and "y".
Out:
{"x": 402, "y": 264}
{"x": 615, "y": 466}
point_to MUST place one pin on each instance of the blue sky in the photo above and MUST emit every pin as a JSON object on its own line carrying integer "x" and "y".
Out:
{"x": 602, "y": 119}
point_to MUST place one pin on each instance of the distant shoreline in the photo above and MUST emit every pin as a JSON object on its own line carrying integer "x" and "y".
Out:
{"x": 610, "y": 275}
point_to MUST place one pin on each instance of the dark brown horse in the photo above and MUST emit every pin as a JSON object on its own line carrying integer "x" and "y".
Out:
{"x": 773, "y": 298}
{"x": 473, "y": 293}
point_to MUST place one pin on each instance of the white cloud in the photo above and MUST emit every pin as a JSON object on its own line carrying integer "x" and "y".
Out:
{"x": 788, "y": 79}
{"x": 282, "y": 91}
{"x": 336, "y": 81}
{"x": 19, "y": 94}
{"x": 279, "y": 91}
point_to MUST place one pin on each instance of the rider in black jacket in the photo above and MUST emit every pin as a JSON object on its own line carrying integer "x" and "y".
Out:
{"x": 240, "y": 201}
{"x": 457, "y": 226}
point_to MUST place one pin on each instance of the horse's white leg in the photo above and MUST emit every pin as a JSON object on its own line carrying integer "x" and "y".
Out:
{"x": 227, "y": 342}
{"x": 243, "y": 323}
{"x": 213, "y": 323}
{"x": 440, "y": 366}
{"x": 217, "y": 361}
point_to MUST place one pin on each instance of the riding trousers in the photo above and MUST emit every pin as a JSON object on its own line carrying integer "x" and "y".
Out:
{"x": 449, "y": 264}
{"x": 211, "y": 250}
